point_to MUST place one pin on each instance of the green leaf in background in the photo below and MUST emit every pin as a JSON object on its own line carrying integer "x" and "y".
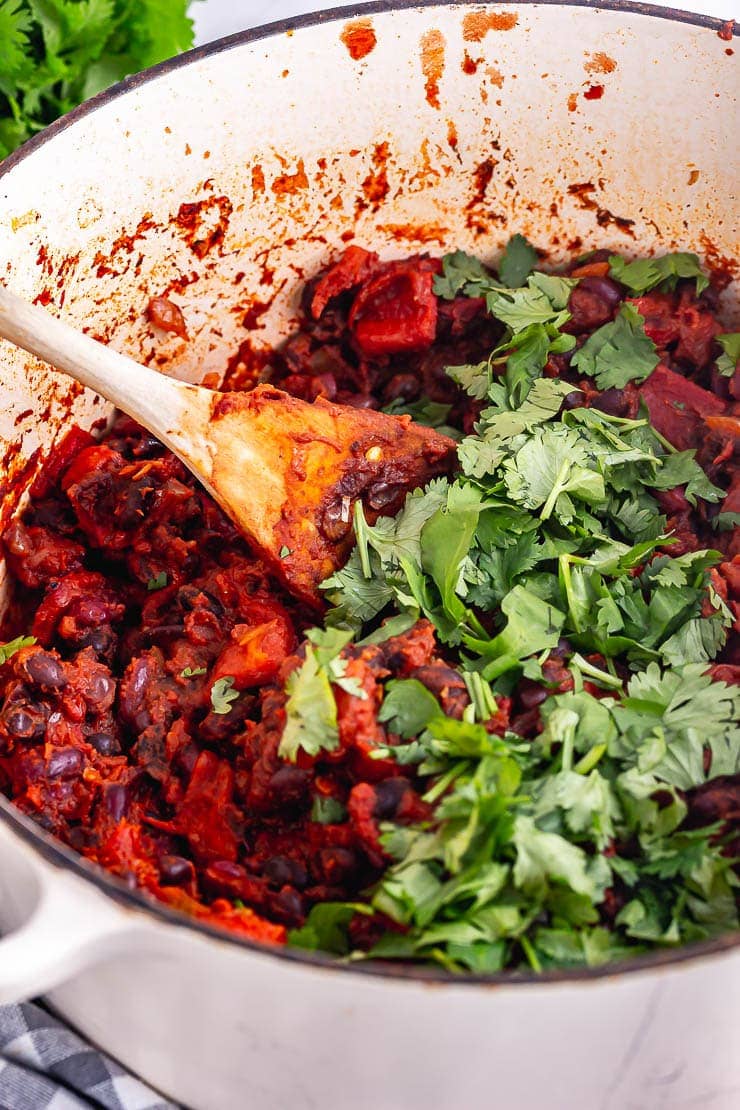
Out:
{"x": 730, "y": 344}
{"x": 517, "y": 262}
{"x": 56, "y": 53}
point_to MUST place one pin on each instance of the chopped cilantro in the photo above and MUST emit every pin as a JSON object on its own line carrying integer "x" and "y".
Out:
{"x": 223, "y": 695}
{"x": 645, "y": 274}
{"x": 12, "y": 646}
{"x": 327, "y": 810}
{"x": 158, "y": 582}
{"x": 728, "y": 360}
{"x": 517, "y": 262}
{"x": 192, "y": 672}
{"x": 284, "y": 552}
{"x": 619, "y": 352}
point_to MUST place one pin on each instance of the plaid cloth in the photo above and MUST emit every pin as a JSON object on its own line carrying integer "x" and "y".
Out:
{"x": 45, "y": 1066}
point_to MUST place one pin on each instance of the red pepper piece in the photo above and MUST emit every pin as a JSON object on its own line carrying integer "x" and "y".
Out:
{"x": 395, "y": 311}
{"x": 355, "y": 266}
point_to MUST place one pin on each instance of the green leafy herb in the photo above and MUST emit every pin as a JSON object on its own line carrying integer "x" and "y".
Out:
{"x": 645, "y": 274}
{"x": 517, "y": 262}
{"x": 12, "y": 646}
{"x": 619, "y": 352}
{"x": 284, "y": 552}
{"x": 223, "y": 695}
{"x": 158, "y": 582}
{"x": 728, "y": 360}
{"x": 193, "y": 672}
{"x": 56, "y": 53}
{"x": 327, "y": 810}
{"x": 459, "y": 271}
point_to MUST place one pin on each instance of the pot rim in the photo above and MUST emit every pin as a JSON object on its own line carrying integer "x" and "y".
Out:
{"x": 58, "y": 854}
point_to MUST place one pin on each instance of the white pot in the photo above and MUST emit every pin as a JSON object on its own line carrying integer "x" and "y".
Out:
{"x": 462, "y": 124}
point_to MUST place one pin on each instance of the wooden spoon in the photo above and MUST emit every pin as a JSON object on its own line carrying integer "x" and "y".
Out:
{"x": 286, "y": 472}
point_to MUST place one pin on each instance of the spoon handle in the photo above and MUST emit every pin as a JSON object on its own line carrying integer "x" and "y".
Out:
{"x": 154, "y": 400}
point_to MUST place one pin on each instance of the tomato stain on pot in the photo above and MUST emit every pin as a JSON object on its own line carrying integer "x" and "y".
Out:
{"x": 594, "y": 92}
{"x": 599, "y": 63}
{"x": 359, "y": 38}
{"x": 468, "y": 65}
{"x": 476, "y": 25}
{"x": 432, "y": 64}
{"x": 204, "y": 223}
{"x": 727, "y": 30}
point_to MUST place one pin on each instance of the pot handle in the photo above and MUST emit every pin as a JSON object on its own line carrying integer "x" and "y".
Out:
{"x": 70, "y": 928}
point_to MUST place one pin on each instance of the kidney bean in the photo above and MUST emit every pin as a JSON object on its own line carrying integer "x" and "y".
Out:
{"x": 100, "y": 689}
{"x": 175, "y": 871}
{"x": 65, "y": 763}
{"x": 604, "y": 288}
{"x": 20, "y": 724}
{"x": 117, "y": 800}
{"x": 531, "y": 693}
{"x": 614, "y": 402}
{"x": 104, "y": 743}
{"x": 45, "y": 671}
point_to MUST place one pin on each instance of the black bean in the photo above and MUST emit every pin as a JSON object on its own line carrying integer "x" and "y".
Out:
{"x": 289, "y": 783}
{"x": 45, "y": 670}
{"x": 65, "y": 763}
{"x": 288, "y": 905}
{"x": 338, "y": 864}
{"x": 283, "y": 871}
{"x": 388, "y": 794}
{"x": 117, "y": 800}
{"x": 104, "y": 743}
{"x": 405, "y": 386}
{"x": 175, "y": 870}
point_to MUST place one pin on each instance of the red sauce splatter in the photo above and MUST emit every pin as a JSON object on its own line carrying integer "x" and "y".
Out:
{"x": 476, "y": 25}
{"x": 723, "y": 269}
{"x": 258, "y": 179}
{"x": 416, "y": 233}
{"x": 584, "y": 194}
{"x": 375, "y": 186}
{"x": 572, "y": 102}
{"x": 729, "y": 51}
{"x": 254, "y": 314}
{"x": 432, "y": 64}
{"x": 245, "y": 368}
{"x": 291, "y": 183}
{"x": 203, "y": 223}
{"x": 359, "y": 38}
{"x": 594, "y": 92}
{"x": 468, "y": 65}
{"x": 43, "y": 298}
{"x": 495, "y": 76}
{"x": 725, "y": 33}
{"x": 599, "y": 63}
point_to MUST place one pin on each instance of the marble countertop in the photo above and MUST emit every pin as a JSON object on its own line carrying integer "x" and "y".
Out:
{"x": 215, "y": 18}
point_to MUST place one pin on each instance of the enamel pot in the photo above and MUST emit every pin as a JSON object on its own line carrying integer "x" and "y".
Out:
{"x": 222, "y": 179}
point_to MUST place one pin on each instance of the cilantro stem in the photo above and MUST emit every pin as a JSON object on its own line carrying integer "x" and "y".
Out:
{"x": 361, "y": 534}
{"x": 530, "y": 953}
{"x": 590, "y": 759}
{"x": 556, "y": 490}
{"x": 602, "y": 677}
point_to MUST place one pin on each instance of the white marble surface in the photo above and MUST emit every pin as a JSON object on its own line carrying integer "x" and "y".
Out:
{"x": 214, "y": 18}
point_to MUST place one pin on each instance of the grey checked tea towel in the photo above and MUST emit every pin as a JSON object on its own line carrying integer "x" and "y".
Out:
{"x": 45, "y": 1066}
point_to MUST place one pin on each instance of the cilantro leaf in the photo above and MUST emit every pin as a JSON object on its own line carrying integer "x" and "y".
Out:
{"x": 12, "y": 646}
{"x": 223, "y": 694}
{"x": 192, "y": 672}
{"x": 728, "y": 360}
{"x": 517, "y": 262}
{"x": 408, "y": 707}
{"x": 618, "y": 352}
{"x": 57, "y": 53}
{"x": 541, "y": 301}
{"x": 158, "y": 582}
{"x": 458, "y": 271}
{"x": 311, "y": 711}
{"x": 645, "y": 274}
{"x": 327, "y": 810}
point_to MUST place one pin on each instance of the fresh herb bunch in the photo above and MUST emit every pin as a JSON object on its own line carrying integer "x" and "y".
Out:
{"x": 569, "y": 848}
{"x": 56, "y": 53}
